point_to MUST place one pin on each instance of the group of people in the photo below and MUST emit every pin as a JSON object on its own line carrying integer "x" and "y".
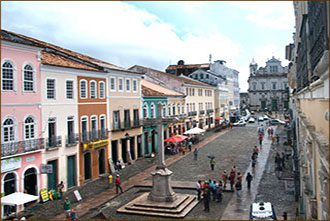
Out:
{"x": 69, "y": 213}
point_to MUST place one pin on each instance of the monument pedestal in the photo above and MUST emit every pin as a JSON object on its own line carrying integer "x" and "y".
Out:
{"x": 161, "y": 186}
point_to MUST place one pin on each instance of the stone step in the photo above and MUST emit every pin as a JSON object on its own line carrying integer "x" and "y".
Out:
{"x": 179, "y": 209}
{"x": 161, "y": 205}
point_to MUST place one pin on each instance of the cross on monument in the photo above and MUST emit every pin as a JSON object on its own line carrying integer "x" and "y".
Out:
{"x": 161, "y": 177}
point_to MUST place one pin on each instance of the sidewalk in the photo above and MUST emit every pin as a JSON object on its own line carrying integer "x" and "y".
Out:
{"x": 83, "y": 207}
{"x": 239, "y": 208}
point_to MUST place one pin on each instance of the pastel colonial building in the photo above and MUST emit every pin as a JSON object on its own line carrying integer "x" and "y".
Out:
{"x": 268, "y": 86}
{"x": 21, "y": 127}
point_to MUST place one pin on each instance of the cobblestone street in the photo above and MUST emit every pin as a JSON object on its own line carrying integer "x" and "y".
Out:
{"x": 231, "y": 147}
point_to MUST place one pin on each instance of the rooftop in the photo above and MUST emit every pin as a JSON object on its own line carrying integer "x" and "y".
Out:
{"x": 151, "y": 89}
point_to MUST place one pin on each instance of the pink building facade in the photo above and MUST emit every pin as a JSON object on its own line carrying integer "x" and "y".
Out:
{"x": 21, "y": 130}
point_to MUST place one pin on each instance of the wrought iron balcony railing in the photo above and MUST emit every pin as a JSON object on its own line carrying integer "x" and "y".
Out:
{"x": 210, "y": 111}
{"x": 12, "y": 148}
{"x": 94, "y": 135}
{"x": 72, "y": 140}
{"x": 192, "y": 113}
{"x": 201, "y": 112}
{"x": 53, "y": 142}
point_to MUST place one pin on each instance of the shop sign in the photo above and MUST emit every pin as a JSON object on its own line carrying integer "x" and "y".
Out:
{"x": 289, "y": 185}
{"x": 46, "y": 168}
{"x": 44, "y": 195}
{"x": 100, "y": 143}
{"x": 30, "y": 159}
{"x": 11, "y": 164}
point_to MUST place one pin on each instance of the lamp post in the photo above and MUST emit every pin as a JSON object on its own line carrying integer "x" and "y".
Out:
{"x": 128, "y": 151}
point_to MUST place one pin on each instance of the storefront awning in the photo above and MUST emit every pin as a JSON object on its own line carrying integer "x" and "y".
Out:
{"x": 18, "y": 198}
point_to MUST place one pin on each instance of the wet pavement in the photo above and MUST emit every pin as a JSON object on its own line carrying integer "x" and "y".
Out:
{"x": 230, "y": 147}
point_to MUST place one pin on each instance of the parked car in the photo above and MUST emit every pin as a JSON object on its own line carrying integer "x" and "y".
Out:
{"x": 251, "y": 120}
{"x": 266, "y": 117}
{"x": 240, "y": 123}
{"x": 262, "y": 211}
{"x": 260, "y": 119}
{"x": 276, "y": 121}
{"x": 252, "y": 113}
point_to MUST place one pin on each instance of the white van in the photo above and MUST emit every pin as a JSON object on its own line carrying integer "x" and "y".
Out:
{"x": 262, "y": 211}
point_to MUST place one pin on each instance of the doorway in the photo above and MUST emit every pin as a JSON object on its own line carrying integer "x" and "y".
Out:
{"x": 87, "y": 166}
{"x": 139, "y": 147}
{"x": 124, "y": 150}
{"x": 132, "y": 147}
{"x": 114, "y": 151}
{"x": 101, "y": 161}
{"x": 52, "y": 132}
{"x": 146, "y": 143}
{"x": 153, "y": 141}
{"x": 52, "y": 177}
{"x": 30, "y": 181}
{"x": 9, "y": 187}
{"x": 71, "y": 179}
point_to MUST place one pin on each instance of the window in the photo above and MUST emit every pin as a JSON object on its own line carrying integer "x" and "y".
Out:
{"x": 134, "y": 85}
{"x": 116, "y": 120}
{"x": 28, "y": 78}
{"x": 207, "y": 76}
{"x": 102, "y": 127}
{"x": 169, "y": 110}
{"x": 254, "y": 86}
{"x": 101, "y": 90}
{"x": 187, "y": 108}
{"x": 83, "y": 89}
{"x": 50, "y": 88}
{"x": 273, "y": 69}
{"x": 187, "y": 90}
{"x": 112, "y": 84}
{"x": 69, "y": 89}
{"x": 152, "y": 110}
{"x": 262, "y": 86}
{"x": 8, "y": 76}
{"x": 8, "y": 130}
{"x": 179, "y": 110}
{"x": 145, "y": 110}
{"x": 164, "y": 110}
{"x": 201, "y": 76}
{"x": 120, "y": 84}
{"x": 127, "y": 118}
{"x": 29, "y": 128}
{"x": 128, "y": 84}
{"x": 92, "y": 89}
{"x": 94, "y": 128}
{"x": 193, "y": 92}
{"x": 274, "y": 86}
{"x": 136, "y": 117}
{"x": 84, "y": 129}
{"x": 285, "y": 85}
{"x": 182, "y": 108}
{"x": 194, "y": 108}
{"x": 70, "y": 127}
{"x": 173, "y": 108}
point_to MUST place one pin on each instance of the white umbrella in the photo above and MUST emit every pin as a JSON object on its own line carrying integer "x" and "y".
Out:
{"x": 195, "y": 130}
{"x": 18, "y": 198}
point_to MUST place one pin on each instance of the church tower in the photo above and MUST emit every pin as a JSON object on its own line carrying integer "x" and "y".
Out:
{"x": 253, "y": 67}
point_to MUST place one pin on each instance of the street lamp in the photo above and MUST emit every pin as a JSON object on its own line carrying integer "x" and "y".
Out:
{"x": 128, "y": 153}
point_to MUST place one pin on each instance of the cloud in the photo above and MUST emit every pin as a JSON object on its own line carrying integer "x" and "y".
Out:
{"x": 116, "y": 32}
{"x": 269, "y": 14}
{"x": 264, "y": 53}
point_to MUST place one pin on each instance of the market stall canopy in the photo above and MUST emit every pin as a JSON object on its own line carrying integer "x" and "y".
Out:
{"x": 175, "y": 139}
{"x": 195, "y": 130}
{"x": 18, "y": 198}
{"x": 218, "y": 118}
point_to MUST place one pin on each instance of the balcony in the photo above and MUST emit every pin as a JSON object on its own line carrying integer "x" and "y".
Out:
{"x": 127, "y": 125}
{"x": 94, "y": 135}
{"x": 12, "y": 148}
{"x": 210, "y": 111}
{"x": 192, "y": 113}
{"x": 71, "y": 140}
{"x": 53, "y": 142}
{"x": 201, "y": 112}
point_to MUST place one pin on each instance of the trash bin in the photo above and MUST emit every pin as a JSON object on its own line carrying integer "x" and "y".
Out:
{"x": 110, "y": 179}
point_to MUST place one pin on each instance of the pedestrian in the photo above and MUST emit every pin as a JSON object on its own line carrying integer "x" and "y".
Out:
{"x": 231, "y": 125}
{"x": 190, "y": 145}
{"x": 282, "y": 159}
{"x": 277, "y": 159}
{"x": 232, "y": 179}
{"x": 224, "y": 178}
{"x": 238, "y": 187}
{"x": 206, "y": 198}
{"x": 118, "y": 166}
{"x": 249, "y": 178}
{"x": 199, "y": 189}
{"x": 271, "y": 131}
{"x": 214, "y": 190}
{"x": 219, "y": 192}
{"x": 73, "y": 215}
{"x": 255, "y": 150}
{"x": 277, "y": 138}
{"x": 285, "y": 215}
{"x": 212, "y": 163}
{"x": 67, "y": 207}
{"x": 254, "y": 160}
{"x": 183, "y": 150}
{"x": 195, "y": 153}
{"x": 260, "y": 140}
{"x": 233, "y": 169}
{"x": 60, "y": 188}
{"x": 268, "y": 131}
{"x": 118, "y": 184}
{"x": 239, "y": 177}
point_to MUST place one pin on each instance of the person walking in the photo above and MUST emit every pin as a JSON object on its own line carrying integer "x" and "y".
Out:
{"x": 260, "y": 140}
{"x": 254, "y": 160}
{"x": 199, "y": 189}
{"x": 249, "y": 178}
{"x": 206, "y": 198}
{"x": 118, "y": 184}
{"x": 190, "y": 145}
{"x": 214, "y": 190}
{"x": 239, "y": 177}
{"x": 232, "y": 180}
{"x": 224, "y": 178}
{"x": 238, "y": 187}
{"x": 212, "y": 163}
{"x": 73, "y": 215}
{"x": 219, "y": 192}
{"x": 195, "y": 153}
{"x": 255, "y": 150}
{"x": 183, "y": 150}
{"x": 60, "y": 188}
{"x": 67, "y": 207}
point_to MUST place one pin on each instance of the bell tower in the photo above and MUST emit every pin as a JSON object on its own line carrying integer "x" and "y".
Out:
{"x": 253, "y": 67}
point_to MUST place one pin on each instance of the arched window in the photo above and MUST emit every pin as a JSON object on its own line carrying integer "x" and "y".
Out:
{"x": 173, "y": 109}
{"x": 182, "y": 108}
{"x": 169, "y": 110}
{"x": 145, "y": 110}
{"x": 179, "y": 110}
{"x": 28, "y": 78}
{"x": 92, "y": 89}
{"x": 152, "y": 110}
{"x": 29, "y": 128}
{"x": 83, "y": 89}
{"x": 8, "y": 76}
{"x": 164, "y": 110}
{"x": 8, "y": 130}
{"x": 101, "y": 90}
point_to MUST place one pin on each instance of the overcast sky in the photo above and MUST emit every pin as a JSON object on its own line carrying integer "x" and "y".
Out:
{"x": 156, "y": 34}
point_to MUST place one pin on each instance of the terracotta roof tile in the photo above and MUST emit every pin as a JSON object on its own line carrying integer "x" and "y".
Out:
{"x": 172, "y": 67}
{"x": 152, "y": 89}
